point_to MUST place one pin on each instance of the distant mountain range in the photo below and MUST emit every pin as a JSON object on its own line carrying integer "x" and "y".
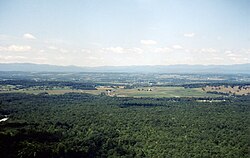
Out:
{"x": 226, "y": 69}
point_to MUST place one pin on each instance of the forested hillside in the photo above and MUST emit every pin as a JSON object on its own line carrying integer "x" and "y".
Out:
{"x": 84, "y": 125}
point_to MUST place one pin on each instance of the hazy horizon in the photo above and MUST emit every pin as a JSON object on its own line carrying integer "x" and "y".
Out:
{"x": 124, "y": 65}
{"x": 125, "y": 33}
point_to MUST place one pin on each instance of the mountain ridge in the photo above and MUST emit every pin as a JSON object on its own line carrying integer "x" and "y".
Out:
{"x": 181, "y": 68}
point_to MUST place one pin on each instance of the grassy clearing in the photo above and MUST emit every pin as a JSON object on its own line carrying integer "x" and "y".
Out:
{"x": 158, "y": 92}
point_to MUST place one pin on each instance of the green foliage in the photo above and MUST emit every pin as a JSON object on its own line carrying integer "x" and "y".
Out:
{"x": 84, "y": 125}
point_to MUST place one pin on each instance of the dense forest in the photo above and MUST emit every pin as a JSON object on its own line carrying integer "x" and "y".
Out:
{"x": 84, "y": 125}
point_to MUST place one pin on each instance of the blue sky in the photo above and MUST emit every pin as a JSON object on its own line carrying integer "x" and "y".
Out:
{"x": 125, "y": 32}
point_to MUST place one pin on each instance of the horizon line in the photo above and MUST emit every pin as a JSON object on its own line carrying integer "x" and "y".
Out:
{"x": 123, "y": 65}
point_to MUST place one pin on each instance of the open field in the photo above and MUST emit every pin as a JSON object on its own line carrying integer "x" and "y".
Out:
{"x": 237, "y": 90}
{"x": 159, "y": 92}
{"x": 153, "y": 92}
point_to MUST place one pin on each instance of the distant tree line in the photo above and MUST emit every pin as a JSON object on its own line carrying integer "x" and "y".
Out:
{"x": 22, "y": 84}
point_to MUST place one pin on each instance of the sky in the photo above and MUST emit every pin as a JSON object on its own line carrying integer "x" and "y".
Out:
{"x": 125, "y": 32}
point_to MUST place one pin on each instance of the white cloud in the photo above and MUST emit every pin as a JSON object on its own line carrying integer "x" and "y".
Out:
{"x": 41, "y": 51}
{"x": 118, "y": 50}
{"x": 63, "y": 50}
{"x": 187, "y": 50}
{"x": 163, "y": 50}
{"x": 60, "y": 57}
{"x": 121, "y": 50}
{"x": 233, "y": 55}
{"x": 9, "y": 57}
{"x": 218, "y": 58}
{"x": 209, "y": 50}
{"x": 148, "y": 42}
{"x": 136, "y": 50}
{"x": 189, "y": 34}
{"x": 93, "y": 58}
{"x": 177, "y": 46}
{"x": 15, "y": 48}
{"x": 52, "y": 47}
{"x": 248, "y": 52}
{"x": 41, "y": 58}
{"x": 29, "y": 36}
{"x": 228, "y": 52}
{"x": 86, "y": 51}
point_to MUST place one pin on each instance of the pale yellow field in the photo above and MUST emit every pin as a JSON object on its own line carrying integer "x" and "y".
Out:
{"x": 230, "y": 90}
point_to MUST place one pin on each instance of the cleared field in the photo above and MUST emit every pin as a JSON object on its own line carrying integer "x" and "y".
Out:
{"x": 238, "y": 90}
{"x": 158, "y": 92}
{"x": 154, "y": 92}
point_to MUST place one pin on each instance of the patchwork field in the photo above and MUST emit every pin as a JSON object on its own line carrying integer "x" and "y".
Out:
{"x": 154, "y": 92}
